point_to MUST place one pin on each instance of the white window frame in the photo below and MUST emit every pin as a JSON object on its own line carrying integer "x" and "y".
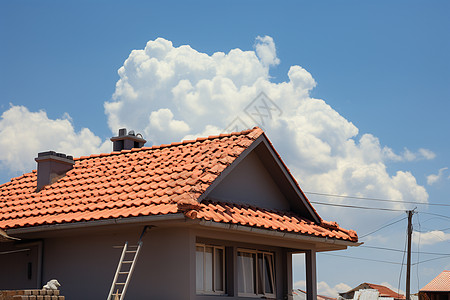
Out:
{"x": 214, "y": 290}
{"x": 272, "y": 278}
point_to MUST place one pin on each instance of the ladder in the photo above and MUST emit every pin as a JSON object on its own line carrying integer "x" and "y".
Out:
{"x": 124, "y": 271}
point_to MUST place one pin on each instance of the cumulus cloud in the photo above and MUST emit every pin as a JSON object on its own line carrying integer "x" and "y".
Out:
{"x": 23, "y": 134}
{"x": 408, "y": 155}
{"x": 169, "y": 93}
{"x": 301, "y": 284}
{"x": 433, "y": 178}
{"x": 266, "y": 51}
{"x": 430, "y": 237}
{"x": 324, "y": 289}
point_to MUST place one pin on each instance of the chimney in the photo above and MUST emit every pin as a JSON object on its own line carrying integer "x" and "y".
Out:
{"x": 127, "y": 141}
{"x": 51, "y": 166}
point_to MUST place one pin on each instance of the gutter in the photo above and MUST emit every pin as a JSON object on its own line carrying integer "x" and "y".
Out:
{"x": 279, "y": 234}
{"x": 181, "y": 217}
{"x": 85, "y": 224}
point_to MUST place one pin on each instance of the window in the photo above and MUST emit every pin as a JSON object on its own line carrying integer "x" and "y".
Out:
{"x": 255, "y": 273}
{"x": 210, "y": 270}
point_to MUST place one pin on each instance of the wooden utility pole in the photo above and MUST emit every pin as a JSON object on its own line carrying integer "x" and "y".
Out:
{"x": 408, "y": 262}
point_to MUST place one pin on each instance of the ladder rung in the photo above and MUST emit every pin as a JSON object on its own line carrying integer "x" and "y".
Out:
{"x": 127, "y": 252}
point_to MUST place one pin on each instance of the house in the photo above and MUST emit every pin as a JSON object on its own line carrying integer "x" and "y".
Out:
{"x": 383, "y": 291}
{"x": 223, "y": 216}
{"x": 437, "y": 289}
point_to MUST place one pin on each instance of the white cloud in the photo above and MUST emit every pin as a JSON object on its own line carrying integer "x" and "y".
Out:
{"x": 427, "y": 154}
{"x": 169, "y": 93}
{"x": 161, "y": 121}
{"x": 266, "y": 51}
{"x": 301, "y": 284}
{"x": 408, "y": 155}
{"x": 23, "y": 134}
{"x": 433, "y": 178}
{"x": 324, "y": 289}
{"x": 430, "y": 237}
{"x": 394, "y": 288}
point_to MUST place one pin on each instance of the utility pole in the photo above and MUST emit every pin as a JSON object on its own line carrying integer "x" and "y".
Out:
{"x": 408, "y": 262}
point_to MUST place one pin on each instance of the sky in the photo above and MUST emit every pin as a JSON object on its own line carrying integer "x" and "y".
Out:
{"x": 354, "y": 95}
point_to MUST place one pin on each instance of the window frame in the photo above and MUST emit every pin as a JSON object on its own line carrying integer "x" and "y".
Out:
{"x": 214, "y": 290}
{"x": 256, "y": 275}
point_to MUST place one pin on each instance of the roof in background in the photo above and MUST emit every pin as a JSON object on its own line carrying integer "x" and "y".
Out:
{"x": 383, "y": 290}
{"x": 158, "y": 180}
{"x": 440, "y": 283}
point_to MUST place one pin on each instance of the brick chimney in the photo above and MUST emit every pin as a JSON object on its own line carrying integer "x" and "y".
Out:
{"x": 51, "y": 166}
{"x": 127, "y": 141}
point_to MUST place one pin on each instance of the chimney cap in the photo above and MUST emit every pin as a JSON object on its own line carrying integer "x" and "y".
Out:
{"x": 53, "y": 155}
{"x": 128, "y": 141}
{"x": 130, "y": 136}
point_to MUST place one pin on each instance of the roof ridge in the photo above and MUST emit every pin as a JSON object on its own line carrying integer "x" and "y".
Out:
{"x": 253, "y": 133}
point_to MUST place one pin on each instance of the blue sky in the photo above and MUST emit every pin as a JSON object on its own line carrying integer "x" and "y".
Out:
{"x": 382, "y": 68}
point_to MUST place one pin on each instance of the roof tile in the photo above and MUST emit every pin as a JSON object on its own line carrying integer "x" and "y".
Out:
{"x": 146, "y": 181}
{"x": 440, "y": 283}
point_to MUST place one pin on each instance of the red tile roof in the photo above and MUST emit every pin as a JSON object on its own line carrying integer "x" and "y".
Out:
{"x": 270, "y": 219}
{"x": 156, "y": 180}
{"x": 439, "y": 284}
{"x": 385, "y": 291}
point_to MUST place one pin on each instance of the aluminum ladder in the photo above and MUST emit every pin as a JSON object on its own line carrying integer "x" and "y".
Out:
{"x": 124, "y": 271}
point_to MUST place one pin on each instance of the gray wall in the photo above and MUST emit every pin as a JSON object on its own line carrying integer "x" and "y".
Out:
{"x": 251, "y": 183}
{"x": 15, "y": 266}
{"x": 84, "y": 262}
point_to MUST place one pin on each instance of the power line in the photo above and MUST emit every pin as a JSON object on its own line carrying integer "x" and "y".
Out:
{"x": 438, "y": 215}
{"x": 382, "y": 227}
{"x": 360, "y": 258}
{"x": 427, "y": 260}
{"x": 387, "y": 222}
{"x": 354, "y": 206}
{"x": 377, "y": 199}
{"x": 385, "y": 261}
{"x": 401, "y": 268}
{"x": 398, "y": 250}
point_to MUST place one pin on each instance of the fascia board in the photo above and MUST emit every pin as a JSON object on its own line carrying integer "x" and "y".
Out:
{"x": 97, "y": 223}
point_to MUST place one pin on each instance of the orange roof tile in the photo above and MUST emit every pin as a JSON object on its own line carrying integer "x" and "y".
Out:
{"x": 439, "y": 284}
{"x": 158, "y": 180}
{"x": 268, "y": 219}
{"x": 385, "y": 291}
